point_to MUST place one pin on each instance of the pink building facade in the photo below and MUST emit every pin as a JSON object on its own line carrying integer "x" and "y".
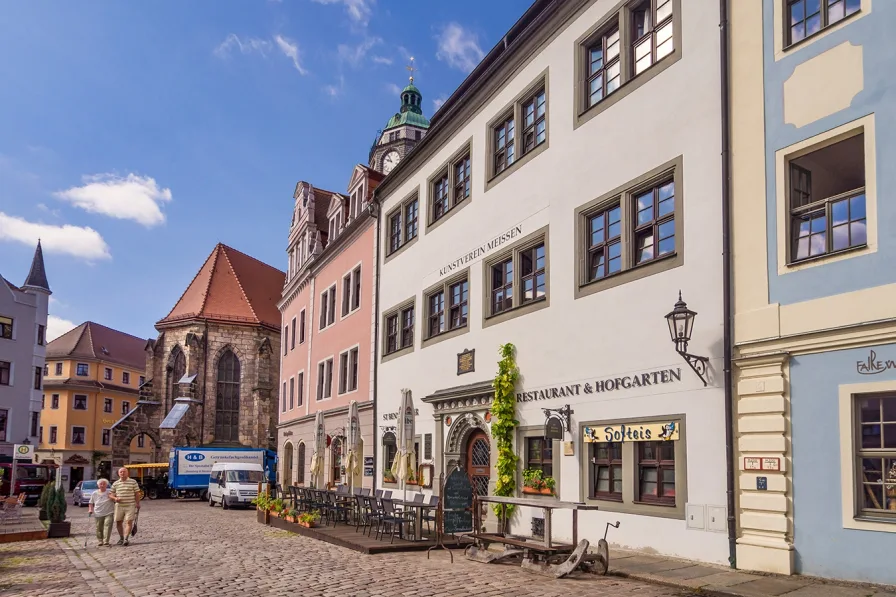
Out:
{"x": 328, "y": 319}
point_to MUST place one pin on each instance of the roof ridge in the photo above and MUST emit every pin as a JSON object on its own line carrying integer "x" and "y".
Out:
{"x": 239, "y": 283}
{"x": 87, "y": 326}
{"x": 219, "y": 248}
{"x": 92, "y": 323}
{"x": 193, "y": 279}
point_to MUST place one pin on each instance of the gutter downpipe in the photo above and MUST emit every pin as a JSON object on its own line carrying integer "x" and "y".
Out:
{"x": 376, "y": 331}
{"x": 726, "y": 278}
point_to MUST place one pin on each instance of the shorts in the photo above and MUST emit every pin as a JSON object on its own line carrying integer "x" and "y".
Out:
{"x": 125, "y": 512}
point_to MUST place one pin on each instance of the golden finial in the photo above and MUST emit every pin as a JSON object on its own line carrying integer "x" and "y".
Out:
{"x": 412, "y": 69}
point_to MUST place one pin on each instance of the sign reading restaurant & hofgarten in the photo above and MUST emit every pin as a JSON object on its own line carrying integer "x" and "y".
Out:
{"x": 637, "y": 380}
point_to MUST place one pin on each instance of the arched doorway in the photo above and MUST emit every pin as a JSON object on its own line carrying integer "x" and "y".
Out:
{"x": 227, "y": 405}
{"x": 336, "y": 460}
{"x": 286, "y": 480}
{"x": 477, "y": 456}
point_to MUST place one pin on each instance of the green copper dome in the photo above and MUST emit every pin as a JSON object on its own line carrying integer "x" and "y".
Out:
{"x": 411, "y": 112}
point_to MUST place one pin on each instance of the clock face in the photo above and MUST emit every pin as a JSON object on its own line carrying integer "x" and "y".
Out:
{"x": 390, "y": 160}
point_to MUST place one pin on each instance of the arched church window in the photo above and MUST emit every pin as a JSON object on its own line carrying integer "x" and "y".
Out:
{"x": 227, "y": 404}
{"x": 176, "y": 372}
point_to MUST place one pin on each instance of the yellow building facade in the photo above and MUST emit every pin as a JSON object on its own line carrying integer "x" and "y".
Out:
{"x": 91, "y": 380}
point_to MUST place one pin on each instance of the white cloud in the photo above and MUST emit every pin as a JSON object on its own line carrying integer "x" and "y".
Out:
{"x": 393, "y": 89}
{"x": 56, "y": 326}
{"x": 133, "y": 197}
{"x": 437, "y": 103}
{"x": 53, "y": 212}
{"x": 290, "y": 49}
{"x": 335, "y": 91}
{"x": 359, "y": 11}
{"x": 382, "y": 60}
{"x": 459, "y": 47}
{"x": 354, "y": 55}
{"x": 85, "y": 243}
{"x": 249, "y": 45}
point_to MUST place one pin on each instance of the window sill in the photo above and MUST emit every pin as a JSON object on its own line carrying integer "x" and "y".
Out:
{"x": 393, "y": 254}
{"x": 832, "y": 255}
{"x": 659, "y": 504}
{"x": 448, "y": 214}
{"x": 637, "y": 272}
{"x": 879, "y": 519}
{"x": 820, "y": 33}
{"x": 397, "y": 353}
{"x": 446, "y": 335}
{"x": 538, "y": 149}
{"x": 518, "y": 311}
{"x": 606, "y": 498}
{"x": 586, "y": 114}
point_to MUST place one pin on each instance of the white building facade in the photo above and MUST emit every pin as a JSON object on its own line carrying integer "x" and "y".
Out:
{"x": 23, "y": 338}
{"x": 564, "y": 195}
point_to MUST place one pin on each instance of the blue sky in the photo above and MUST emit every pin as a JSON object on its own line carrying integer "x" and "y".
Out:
{"x": 136, "y": 135}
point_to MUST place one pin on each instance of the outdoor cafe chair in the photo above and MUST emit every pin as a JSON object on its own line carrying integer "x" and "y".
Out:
{"x": 418, "y": 498}
{"x": 338, "y": 508}
{"x": 373, "y": 511}
{"x": 361, "y": 518}
{"x": 387, "y": 494}
{"x": 378, "y": 493}
{"x": 356, "y": 491}
{"x": 429, "y": 514}
{"x": 391, "y": 517}
{"x": 365, "y": 491}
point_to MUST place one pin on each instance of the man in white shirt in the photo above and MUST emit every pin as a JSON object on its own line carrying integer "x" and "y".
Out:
{"x": 103, "y": 508}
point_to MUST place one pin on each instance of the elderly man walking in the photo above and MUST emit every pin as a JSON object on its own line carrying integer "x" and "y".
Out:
{"x": 103, "y": 508}
{"x": 126, "y": 495}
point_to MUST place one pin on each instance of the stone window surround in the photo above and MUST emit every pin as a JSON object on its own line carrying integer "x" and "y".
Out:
{"x": 333, "y": 371}
{"x": 542, "y": 235}
{"x": 350, "y": 275}
{"x": 107, "y": 373}
{"x": 466, "y": 150}
{"x": 864, "y": 125}
{"x": 104, "y": 439}
{"x": 780, "y": 29}
{"x": 401, "y": 207}
{"x": 75, "y": 401}
{"x": 300, "y": 388}
{"x": 630, "y": 470}
{"x": 514, "y": 108}
{"x": 619, "y": 15}
{"x": 87, "y": 369}
{"x": 330, "y": 302}
{"x": 72, "y": 436}
{"x": 444, "y": 286}
{"x": 525, "y": 432}
{"x": 302, "y": 323}
{"x": 397, "y": 310}
{"x": 624, "y": 196}
{"x": 847, "y": 394}
{"x": 348, "y": 363}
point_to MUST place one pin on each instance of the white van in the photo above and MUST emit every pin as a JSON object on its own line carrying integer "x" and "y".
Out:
{"x": 234, "y": 483}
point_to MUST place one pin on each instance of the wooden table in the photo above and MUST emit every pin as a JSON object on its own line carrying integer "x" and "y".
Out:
{"x": 418, "y": 519}
{"x": 547, "y": 505}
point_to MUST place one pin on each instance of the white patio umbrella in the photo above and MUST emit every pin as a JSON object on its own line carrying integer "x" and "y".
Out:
{"x": 405, "y": 459}
{"x": 320, "y": 446}
{"x": 353, "y": 451}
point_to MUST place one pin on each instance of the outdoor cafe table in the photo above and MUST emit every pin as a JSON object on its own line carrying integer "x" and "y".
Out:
{"x": 548, "y": 505}
{"x": 418, "y": 519}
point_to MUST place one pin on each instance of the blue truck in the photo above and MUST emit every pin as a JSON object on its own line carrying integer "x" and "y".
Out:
{"x": 189, "y": 468}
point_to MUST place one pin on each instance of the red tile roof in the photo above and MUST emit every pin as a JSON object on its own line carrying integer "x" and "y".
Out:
{"x": 94, "y": 341}
{"x": 231, "y": 287}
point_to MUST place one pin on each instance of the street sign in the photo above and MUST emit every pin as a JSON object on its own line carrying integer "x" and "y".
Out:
{"x": 23, "y": 452}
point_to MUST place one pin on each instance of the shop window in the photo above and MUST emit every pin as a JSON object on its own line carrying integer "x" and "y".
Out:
{"x": 390, "y": 449}
{"x": 606, "y": 471}
{"x": 80, "y": 402}
{"x": 656, "y": 472}
{"x": 827, "y": 200}
{"x": 875, "y": 454}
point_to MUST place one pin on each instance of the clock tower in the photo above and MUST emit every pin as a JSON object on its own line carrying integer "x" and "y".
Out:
{"x": 403, "y": 131}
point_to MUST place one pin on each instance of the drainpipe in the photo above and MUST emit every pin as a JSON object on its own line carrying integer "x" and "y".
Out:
{"x": 374, "y": 204}
{"x": 727, "y": 279}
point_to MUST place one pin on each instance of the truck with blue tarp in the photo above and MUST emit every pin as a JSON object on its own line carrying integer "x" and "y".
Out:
{"x": 189, "y": 468}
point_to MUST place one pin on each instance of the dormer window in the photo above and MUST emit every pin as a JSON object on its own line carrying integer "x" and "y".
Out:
{"x": 335, "y": 225}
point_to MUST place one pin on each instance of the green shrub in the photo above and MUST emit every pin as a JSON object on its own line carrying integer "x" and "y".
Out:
{"x": 57, "y": 507}
{"x": 46, "y": 496}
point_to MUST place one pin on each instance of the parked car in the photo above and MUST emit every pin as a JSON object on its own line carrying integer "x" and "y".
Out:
{"x": 82, "y": 492}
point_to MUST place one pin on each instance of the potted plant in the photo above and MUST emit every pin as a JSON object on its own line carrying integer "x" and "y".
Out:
{"x": 277, "y": 506}
{"x": 309, "y": 520}
{"x": 59, "y": 527}
{"x": 388, "y": 477}
{"x": 44, "y": 501}
{"x": 292, "y": 515}
{"x": 535, "y": 482}
{"x": 262, "y": 505}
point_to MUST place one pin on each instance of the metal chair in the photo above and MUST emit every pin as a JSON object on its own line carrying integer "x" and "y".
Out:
{"x": 337, "y": 508}
{"x": 429, "y": 514}
{"x": 365, "y": 491}
{"x": 391, "y": 517}
{"x": 418, "y": 498}
{"x": 378, "y": 493}
{"x": 387, "y": 494}
{"x": 374, "y": 512}
{"x": 362, "y": 520}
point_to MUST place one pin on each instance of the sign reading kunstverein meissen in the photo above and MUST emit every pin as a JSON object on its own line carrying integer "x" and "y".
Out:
{"x": 612, "y": 384}
{"x": 481, "y": 250}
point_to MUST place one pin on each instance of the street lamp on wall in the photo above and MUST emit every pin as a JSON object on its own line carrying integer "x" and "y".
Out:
{"x": 681, "y": 325}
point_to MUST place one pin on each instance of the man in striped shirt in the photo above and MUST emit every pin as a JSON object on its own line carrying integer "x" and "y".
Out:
{"x": 126, "y": 495}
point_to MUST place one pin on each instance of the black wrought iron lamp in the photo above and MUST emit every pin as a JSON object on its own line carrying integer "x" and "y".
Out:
{"x": 681, "y": 325}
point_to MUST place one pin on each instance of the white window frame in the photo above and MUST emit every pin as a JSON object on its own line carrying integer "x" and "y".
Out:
{"x": 328, "y": 308}
{"x": 75, "y": 401}
{"x": 349, "y": 299}
{"x": 346, "y": 389}
{"x": 300, "y": 388}
{"x": 302, "y": 320}
{"x": 324, "y": 380}
{"x": 72, "y": 435}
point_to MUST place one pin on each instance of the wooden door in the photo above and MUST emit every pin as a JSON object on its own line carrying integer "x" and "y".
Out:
{"x": 479, "y": 462}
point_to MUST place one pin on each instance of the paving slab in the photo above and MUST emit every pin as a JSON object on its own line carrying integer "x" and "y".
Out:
{"x": 826, "y": 590}
{"x": 768, "y": 587}
{"x": 692, "y": 571}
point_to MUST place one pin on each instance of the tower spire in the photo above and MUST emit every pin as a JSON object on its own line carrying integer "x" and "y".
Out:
{"x": 37, "y": 275}
{"x": 412, "y": 69}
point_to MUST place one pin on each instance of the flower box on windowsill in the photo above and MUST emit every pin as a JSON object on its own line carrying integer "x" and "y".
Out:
{"x": 534, "y": 491}
{"x": 411, "y": 482}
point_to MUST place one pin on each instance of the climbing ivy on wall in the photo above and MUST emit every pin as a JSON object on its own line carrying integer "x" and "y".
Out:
{"x": 503, "y": 423}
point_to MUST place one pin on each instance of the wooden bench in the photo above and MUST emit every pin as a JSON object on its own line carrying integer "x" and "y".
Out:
{"x": 520, "y": 543}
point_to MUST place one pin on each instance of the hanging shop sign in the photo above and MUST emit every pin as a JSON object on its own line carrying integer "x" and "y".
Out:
{"x": 553, "y": 427}
{"x": 636, "y": 380}
{"x": 633, "y": 432}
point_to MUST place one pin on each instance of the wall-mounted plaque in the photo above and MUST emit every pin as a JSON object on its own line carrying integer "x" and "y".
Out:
{"x": 466, "y": 361}
{"x": 368, "y": 471}
{"x": 368, "y": 461}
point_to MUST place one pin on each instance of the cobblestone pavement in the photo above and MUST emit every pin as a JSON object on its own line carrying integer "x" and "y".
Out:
{"x": 187, "y": 548}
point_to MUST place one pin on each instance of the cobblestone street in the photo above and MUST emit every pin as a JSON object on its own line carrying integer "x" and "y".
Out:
{"x": 187, "y": 548}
